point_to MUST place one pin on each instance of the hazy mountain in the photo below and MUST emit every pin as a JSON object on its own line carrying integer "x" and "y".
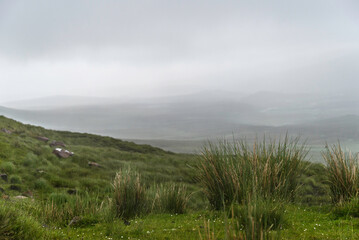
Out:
{"x": 195, "y": 117}
{"x": 54, "y": 102}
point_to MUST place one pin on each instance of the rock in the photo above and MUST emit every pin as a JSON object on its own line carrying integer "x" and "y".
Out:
{"x": 44, "y": 139}
{"x": 57, "y": 144}
{"x": 94, "y": 164}
{"x": 6, "y": 131}
{"x": 75, "y": 220}
{"x": 3, "y": 177}
{"x": 20, "y": 197}
{"x": 15, "y": 187}
{"x": 72, "y": 191}
{"x": 62, "y": 153}
{"x": 28, "y": 193}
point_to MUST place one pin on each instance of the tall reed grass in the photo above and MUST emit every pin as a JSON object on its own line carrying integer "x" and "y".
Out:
{"x": 61, "y": 209}
{"x": 170, "y": 198}
{"x": 234, "y": 172}
{"x": 129, "y": 198}
{"x": 258, "y": 220}
{"x": 343, "y": 173}
{"x": 15, "y": 224}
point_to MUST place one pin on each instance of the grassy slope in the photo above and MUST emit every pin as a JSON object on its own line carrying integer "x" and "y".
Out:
{"x": 22, "y": 156}
{"x": 40, "y": 171}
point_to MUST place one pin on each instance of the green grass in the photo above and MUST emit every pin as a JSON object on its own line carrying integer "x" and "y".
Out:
{"x": 236, "y": 172}
{"x": 34, "y": 167}
{"x": 171, "y": 198}
{"x": 343, "y": 172}
{"x": 129, "y": 198}
{"x": 301, "y": 223}
{"x": 288, "y": 198}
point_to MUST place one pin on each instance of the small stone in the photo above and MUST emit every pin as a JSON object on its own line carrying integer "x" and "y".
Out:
{"x": 28, "y": 193}
{"x": 6, "y": 131}
{"x": 44, "y": 139}
{"x": 3, "y": 176}
{"x": 72, "y": 191}
{"x": 15, "y": 187}
{"x": 75, "y": 220}
{"x": 94, "y": 164}
{"x": 20, "y": 197}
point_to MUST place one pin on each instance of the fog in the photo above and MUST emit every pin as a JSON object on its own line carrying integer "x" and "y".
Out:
{"x": 182, "y": 70}
{"x": 127, "y": 49}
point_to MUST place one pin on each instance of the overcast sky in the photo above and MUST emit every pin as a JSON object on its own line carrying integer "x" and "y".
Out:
{"x": 158, "y": 48}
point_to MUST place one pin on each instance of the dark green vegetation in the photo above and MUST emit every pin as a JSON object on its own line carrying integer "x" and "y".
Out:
{"x": 140, "y": 192}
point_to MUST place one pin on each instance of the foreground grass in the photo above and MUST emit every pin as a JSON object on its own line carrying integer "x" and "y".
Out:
{"x": 301, "y": 223}
{"x": 72, "y": 200}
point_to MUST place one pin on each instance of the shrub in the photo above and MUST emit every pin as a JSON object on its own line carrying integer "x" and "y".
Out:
{"x": 7, "y": 167}
{"x": 129, "y": 199}
{"x": 42, "y": 185}
{"x": 232, "y": 172}
{"x": 343, "y": 173}
{"x": 30, "y": 160}
{"x": 15, "y": 179}
{"x": 171, "y": 198}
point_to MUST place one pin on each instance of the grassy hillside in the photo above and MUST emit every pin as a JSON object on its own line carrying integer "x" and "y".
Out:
{"x": 30, "y": 164}
{"x": 68, "y": 198}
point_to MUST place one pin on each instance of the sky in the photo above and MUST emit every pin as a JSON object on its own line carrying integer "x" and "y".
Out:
{"x": 119, "y": 49}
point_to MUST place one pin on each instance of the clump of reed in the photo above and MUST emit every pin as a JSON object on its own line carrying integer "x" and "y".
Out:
{"x": 259, "y": 217}
{"x": 129, "y": 198}
{"x": 343, "y": 173}
{"x": 132, "y": 198}
{"x": 61, "y": 209}
{"x": 233, "y": 172}
{"x": 258, "y": 220}
{"x": 256, "y": 180}
{"x": 170, "y": 198}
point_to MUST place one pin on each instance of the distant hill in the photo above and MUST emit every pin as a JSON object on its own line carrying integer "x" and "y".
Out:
{"x": 55, "y": 102}
{"x": 200, "y": 116}
{"x": 31, "y": 162}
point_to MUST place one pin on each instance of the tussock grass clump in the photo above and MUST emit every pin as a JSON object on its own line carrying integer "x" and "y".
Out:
{"x": 343, "y": 173}
{"x": 58, "y": 198}
{"x": 129, "y": 198}
{"x": 17, "y": 225}
{"x": 347, "y": 209}
{"x": 259, "y": 217}
{"x": 7, "y": 167}
{"x": 15, "y": 179}
{"x": 231, "y": 172}
{"x": 313, "y": 185}
{"x": 61, "y": 209}
{"x": 41, "y": 184}
{"x": 171, "y": 198}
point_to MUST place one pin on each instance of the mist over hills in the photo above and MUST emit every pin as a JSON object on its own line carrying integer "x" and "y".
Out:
{"x": 197, "y": 117}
